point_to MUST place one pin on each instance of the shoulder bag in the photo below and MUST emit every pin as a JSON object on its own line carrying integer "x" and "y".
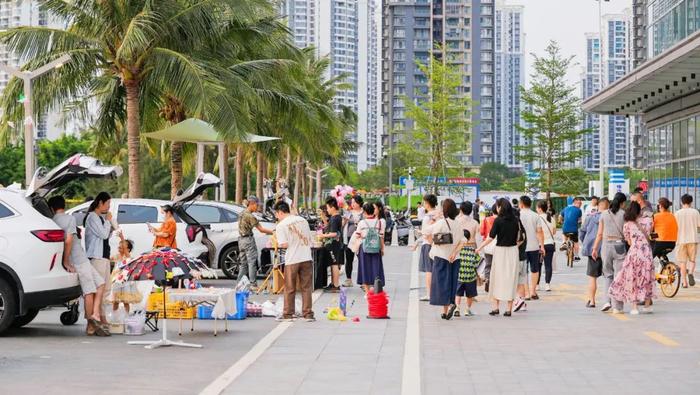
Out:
{"x": 443, "y": 238}
{"x": 549, "y": 229}
{"x": 622, "y": 234}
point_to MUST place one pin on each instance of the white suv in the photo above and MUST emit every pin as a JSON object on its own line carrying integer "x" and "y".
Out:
{"x": 221, "y": 223}
{"x": 32, "y": 275}
{"x": 134, "y": 215}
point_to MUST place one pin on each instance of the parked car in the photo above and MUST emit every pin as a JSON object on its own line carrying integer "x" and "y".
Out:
{"x": 221, "y": 222}
{"x": 134, "y": 216}
{"x": 32, "y": 275}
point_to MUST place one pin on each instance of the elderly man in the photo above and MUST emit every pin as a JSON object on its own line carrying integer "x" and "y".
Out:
{"x": 246, "y": 242}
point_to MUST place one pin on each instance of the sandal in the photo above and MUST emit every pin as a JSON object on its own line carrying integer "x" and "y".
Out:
{"x": 99, "y": 330}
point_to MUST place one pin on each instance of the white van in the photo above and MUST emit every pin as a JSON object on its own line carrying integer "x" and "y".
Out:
{"x": 134, "y": 216}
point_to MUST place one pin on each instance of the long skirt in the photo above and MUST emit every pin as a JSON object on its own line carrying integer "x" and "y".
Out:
{"x": 370, "y": 267}
{"x": 503, "y": 282}
{"x": 443, "y": 286}
{"x": 425, "y": 265}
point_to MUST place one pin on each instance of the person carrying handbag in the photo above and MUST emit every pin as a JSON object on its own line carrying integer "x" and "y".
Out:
{"x": 610, "y": 240}
{"x": 446, "y": 238}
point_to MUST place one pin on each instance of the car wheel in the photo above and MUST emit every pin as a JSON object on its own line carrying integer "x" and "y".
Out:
{"x": 230, "y": 261}
{"x": 25, "y": 319}
{"x": 8, "y": 305}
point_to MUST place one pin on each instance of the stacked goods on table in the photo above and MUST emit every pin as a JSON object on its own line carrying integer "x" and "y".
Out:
{"x": 254, "y": 310}
{"x": 174, "y": 310}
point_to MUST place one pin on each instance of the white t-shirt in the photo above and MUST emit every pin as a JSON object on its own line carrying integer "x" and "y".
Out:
{"x": 427, "y": 221}
{"x": 367, "y": 223}
{"x": 548, "y": 233}
{"x": 530, "y": 221}
{"x": 688, "y": 222}
{"x": 444, "y": 250}
{"x": 295, "y": 231}
{"x": 470, "y": 224}
{"x": 420, "y": 213}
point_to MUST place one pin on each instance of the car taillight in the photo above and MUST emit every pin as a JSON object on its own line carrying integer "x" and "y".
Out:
{"x": 50, "y": 236}
{"x": 192, "y": 231}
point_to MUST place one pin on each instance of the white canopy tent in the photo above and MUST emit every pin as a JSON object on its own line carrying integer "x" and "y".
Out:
{"x": 196, "y": 131}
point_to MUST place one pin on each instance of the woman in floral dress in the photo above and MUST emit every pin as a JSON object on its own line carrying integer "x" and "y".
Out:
{"x": 636, "y": 281}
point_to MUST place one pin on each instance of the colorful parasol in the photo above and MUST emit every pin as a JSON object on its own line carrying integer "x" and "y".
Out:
{"x": 162, "y": 264}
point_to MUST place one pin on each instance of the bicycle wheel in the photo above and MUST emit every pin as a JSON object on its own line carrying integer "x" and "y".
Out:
{"x": 670, "y": 280}
{"x": 570, "y": 254}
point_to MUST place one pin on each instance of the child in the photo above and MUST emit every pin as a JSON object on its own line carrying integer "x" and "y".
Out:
{"x": 468, "y": 263}
{"x": 369, "y": 241}
{"x": 120, "y": 293}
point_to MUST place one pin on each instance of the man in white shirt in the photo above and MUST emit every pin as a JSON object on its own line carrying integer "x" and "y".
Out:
{"x": 420, "y": 211}
{"x": 294, "y": 235}
{"x": 534, "y": 245}
{"x": 688, "y": 220}
{"x": 592, "y": 208}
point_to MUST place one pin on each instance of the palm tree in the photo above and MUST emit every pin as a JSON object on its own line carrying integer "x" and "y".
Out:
{"x": 121, "y": 53}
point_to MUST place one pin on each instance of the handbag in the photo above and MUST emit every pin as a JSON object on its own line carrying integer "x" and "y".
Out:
{"x": 443, "y": 238}
{"x": 622, "y": 235}
{"x": 546, "y": 225}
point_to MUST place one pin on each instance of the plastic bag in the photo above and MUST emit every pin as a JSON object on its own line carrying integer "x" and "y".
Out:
{"x": 334, "y": 314}
{"x": 135, "y": 323}
{"x": 269, "y": 309}
{"x": 243, "y": 284}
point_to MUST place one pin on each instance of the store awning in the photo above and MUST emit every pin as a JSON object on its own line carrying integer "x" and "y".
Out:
{"x": 197, "y": 131}
{"x": 667, "y": 77}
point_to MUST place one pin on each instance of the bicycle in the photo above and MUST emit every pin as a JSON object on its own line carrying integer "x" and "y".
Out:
{"x": 568, "y": 246}
{"x": 669, "y": 275}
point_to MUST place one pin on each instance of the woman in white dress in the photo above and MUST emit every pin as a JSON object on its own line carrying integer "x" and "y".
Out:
{"x": 504, "y": 270}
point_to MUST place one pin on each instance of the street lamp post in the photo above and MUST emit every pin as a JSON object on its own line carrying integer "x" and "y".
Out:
{"x": 27, "y": 77}
{"x": 601, "y": 130}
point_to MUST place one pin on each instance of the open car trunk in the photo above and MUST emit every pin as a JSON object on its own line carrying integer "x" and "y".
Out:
{"x": 203, "y": 182}
{"x": 78, "y": 166}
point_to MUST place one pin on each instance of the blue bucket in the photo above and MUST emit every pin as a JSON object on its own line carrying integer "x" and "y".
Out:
{"x": 241, "y": 306}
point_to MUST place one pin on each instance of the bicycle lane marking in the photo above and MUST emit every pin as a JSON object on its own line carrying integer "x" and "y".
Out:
{"x": 222, "y": 382}
{"x": 659, "y": 338}
{"x": 411, "y": 375}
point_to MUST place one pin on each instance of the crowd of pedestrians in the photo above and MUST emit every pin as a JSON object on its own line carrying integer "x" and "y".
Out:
{"x": 620, "y": 239}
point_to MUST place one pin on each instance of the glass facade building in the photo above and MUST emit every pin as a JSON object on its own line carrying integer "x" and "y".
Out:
{"x": 669, "y": 22}
{"x": 674, "y": 160}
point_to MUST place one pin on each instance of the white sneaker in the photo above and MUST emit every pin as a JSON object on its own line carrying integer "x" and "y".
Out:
{"x": 616, "y": 311}
{"x": 280, "y": 319}
{"x": 347, "y": 283}
{"x": 634, "y": 312}
{"x": 547, "y": 287}
{"x": 537, "y": 287}
{"x": 425, "y": 298}
{"x": 647, "y": 310}
{"x": 606, "y": 308}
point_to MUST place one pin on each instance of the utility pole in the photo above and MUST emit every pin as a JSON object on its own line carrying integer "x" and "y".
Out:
{"x": 27, "y": 77}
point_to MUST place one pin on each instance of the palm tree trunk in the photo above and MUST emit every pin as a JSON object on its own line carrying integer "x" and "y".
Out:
{"x": 288, "y": 169}
{"x": 247, "y": 184}
{"x": 133, "y": 125}
{"x": 303, "y": 184}
{"x": 225, "y": 171}
{"x": 175, "y": 168}
{"x": 278, "y": 172}
{"x": 259, "y": 174}
{"x": 239, "y": 174}
{"x": 297, "y": 180}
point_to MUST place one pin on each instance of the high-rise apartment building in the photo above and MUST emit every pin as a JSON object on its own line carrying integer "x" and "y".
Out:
{"x": 27, "y": 13}
{"x": 611, "y": 59}
{"x": 465, "y": 29}
{"x": 347, "y": 32}
{"x": 509, "y": 76}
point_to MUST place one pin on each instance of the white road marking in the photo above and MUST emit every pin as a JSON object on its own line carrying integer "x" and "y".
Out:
{"x": 411, "y": 380}
{"x": 231, "y": 374}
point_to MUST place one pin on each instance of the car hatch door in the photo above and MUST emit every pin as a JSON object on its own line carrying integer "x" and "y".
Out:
{"x": 76, "y": 167}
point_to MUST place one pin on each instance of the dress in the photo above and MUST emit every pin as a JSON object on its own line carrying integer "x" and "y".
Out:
{"x": 635, "y": 282}
{"x": 370, "y": 266}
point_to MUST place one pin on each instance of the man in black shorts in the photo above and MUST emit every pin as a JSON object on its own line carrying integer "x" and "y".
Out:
{"x": 333, "y": 244}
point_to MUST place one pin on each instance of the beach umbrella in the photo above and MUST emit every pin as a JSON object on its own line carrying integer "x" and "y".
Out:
{"x": 161, "y": 265}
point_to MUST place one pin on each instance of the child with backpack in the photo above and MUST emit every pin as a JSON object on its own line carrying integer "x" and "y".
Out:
{"x": 369, "y": 243}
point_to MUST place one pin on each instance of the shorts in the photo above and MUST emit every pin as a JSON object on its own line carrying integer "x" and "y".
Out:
{"x": 686, "y": 252}
{"x": 467, "y": 289}
{"x": 102, "y": 266}
{"x": 522, "y": 272}
{"x": 660, "y": 247}
{"x": 595, "y": 267}
{"x": 573, "y": 236}
{"x": 90, "y": 279}
{"x": 535, "y": 261}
